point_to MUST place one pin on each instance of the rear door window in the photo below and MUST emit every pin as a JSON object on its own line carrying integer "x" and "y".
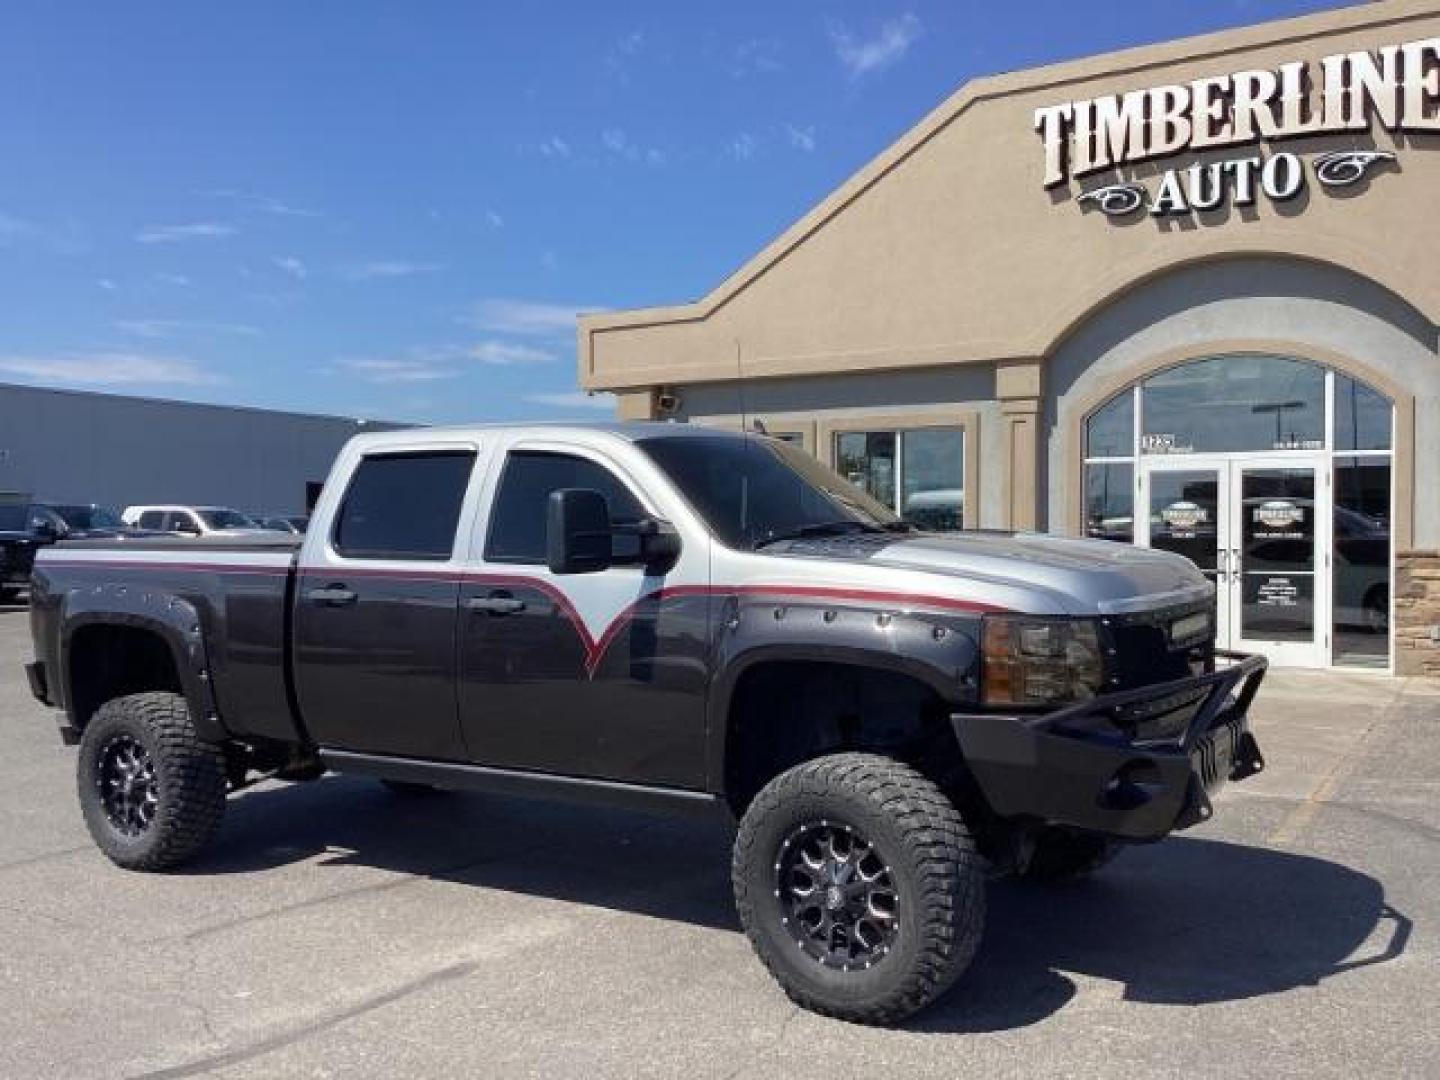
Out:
{"x": 517, "y": 521}
{"x": 403, "y": 506}
{"x": 151, "y": 519}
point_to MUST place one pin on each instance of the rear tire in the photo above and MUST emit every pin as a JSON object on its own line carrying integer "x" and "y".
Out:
{"x": 1066, "y": 855}
{"x": 152, "y": 791}
{"x": 859, "y": 887}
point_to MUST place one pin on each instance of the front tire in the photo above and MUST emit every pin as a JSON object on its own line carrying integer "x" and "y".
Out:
{"x": 152, "y": 791}
{"x": 859, "y": 887}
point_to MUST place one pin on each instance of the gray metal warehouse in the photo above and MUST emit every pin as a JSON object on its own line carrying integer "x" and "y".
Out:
{"x": 72, "y": 446}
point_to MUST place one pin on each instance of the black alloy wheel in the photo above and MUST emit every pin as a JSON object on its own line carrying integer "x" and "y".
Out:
{"x": 840, "y": 894}
{"x": 151, "y": 789}
{"x": 128, "y": 790}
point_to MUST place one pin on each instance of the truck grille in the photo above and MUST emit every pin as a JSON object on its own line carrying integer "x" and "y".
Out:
{"x": 1140, "y": 653}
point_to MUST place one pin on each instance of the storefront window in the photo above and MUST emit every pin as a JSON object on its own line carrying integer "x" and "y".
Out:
{"x": 1234, "y": 403}
{"x": 918, "y": 472}
{"x": 1110, "y": 431}
{"x": 1362, "y": 417}
{"x": 1362, "y": 560}
{"x": 1110, "y": 501}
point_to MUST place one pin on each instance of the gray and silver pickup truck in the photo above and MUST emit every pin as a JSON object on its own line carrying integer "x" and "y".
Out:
{"x": 664, "y": 616}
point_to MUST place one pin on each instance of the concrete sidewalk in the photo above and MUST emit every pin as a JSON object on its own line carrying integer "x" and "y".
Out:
{"x": 339, "y": 931}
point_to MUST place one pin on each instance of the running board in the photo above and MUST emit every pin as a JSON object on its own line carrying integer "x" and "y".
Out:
{"x": 533, "y": 785}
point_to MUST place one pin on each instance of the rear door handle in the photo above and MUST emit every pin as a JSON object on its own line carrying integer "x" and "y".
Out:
{"x": 496, "y": 604}
{"x": 332, "y": 596}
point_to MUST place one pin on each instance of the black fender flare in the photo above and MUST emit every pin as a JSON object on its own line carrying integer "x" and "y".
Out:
{"x": 940, "y": 651}
{"x": 173, "y": 619}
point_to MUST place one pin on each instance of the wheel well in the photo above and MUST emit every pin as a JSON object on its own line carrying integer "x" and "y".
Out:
{"x": 108, "y": 661}
{"x": 785, "y": 712}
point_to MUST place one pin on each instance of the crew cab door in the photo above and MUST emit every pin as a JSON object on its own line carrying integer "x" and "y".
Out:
{"x": 601, "y": 674}
{"x": 375, "y": 606}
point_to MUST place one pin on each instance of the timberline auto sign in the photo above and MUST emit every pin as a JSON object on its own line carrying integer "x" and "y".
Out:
{"x": 1397, "y": 86}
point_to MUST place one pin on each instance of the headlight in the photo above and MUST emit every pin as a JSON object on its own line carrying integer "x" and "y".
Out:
{"x": 1039, "y": 661}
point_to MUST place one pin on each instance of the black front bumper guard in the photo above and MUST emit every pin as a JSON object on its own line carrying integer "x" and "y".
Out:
{"x": 1074, "y": 767}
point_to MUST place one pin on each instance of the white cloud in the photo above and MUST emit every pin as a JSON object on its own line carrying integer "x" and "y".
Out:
{"x": 195, "y": 230}
{"x": 555, "y": 147}
{"x": 106, "y": 283}
{"x": 387, "y": 268}
{"x": 174, "y": 279}
{"x": 417, "y": 368}
{"x": 755, "y": 55}
{"x": 164, "y": 328}
{"x": 266, "y": 203}
{"x": 494, "y": 219}
{"x": 11, "y": 227}
{"x": 527, "y": 317}
{"x": 506, "y": 353}
{"x": 742, "y": 147}
{"x": 292, "y": 266}
{"x": 107, "y": 369}
{"x": 801, "y": 138}
{"x": 575, "y": 400}
{"x": 863, "y": 55}
{"x": 620, "y": 145}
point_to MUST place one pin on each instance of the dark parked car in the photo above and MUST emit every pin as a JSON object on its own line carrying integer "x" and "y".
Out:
{"x": 23, "y": 531}
{"x": 295, "y": 524}
{"x": 89, "y": 521}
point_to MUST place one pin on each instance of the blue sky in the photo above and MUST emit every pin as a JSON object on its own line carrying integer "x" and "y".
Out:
{"x": 394, "y": 209}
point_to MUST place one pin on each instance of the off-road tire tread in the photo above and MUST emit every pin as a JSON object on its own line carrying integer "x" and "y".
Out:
{"x": 951, "y": 876}
{"x": 190, "y": 771}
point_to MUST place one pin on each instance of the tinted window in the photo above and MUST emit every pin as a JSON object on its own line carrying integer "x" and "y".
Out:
{"x": 517, "y": 523}
{"x": 12, "y": 517}
{"x": 752, "y": 490}
{"x": 1362, "y": 417}
{"x": 403, "y": 506}
{"x": 1234, "y": 403}
{"x": 226, "y": 519}
{"x": 1110, "y": 432}
{"x": 151, "y": 519}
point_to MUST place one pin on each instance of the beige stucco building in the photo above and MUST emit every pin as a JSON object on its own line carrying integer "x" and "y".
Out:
{"x": 1184, "y": 296}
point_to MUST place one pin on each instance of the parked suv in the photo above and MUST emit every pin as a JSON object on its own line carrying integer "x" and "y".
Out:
{"x": 193, "y": 520}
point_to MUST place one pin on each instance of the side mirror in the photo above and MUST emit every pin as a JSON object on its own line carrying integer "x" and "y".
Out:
{"x": 187, "y": 528}
{"x": 577, "y": 532}
{"x": 45, "y": 529}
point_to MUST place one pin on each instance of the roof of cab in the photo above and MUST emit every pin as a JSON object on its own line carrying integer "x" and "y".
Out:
{"x": 631, "y": 430}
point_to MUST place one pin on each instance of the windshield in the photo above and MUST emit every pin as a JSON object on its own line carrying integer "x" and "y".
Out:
{"x": 13, "y": 517}
{"x": 753, "y": 491}
{"x": 89, "y": 517}
{"x": 226, "y": 519}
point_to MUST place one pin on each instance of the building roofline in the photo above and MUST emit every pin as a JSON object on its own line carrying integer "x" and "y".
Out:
{"x": 1131, "y": 61}
{"x": 182, "y": 403}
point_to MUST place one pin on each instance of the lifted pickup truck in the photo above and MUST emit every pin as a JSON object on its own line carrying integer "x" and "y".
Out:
{"x": 667, "y": 617}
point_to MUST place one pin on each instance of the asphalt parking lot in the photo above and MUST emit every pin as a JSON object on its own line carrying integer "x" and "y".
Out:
{"x": 338, "y": 930}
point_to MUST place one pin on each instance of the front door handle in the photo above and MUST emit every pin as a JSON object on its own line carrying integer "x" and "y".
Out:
{"x": 497, "y": 603}
{"x": 332, "y": 596}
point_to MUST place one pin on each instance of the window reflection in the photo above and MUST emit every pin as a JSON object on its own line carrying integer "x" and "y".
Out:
{"x": 1362, "y": 417}
{"x": 1110, "y": 502}
{"x": 1110, "y": 431}
{"x": 920, "y": 473}
{"x": 1362, "y": 560}
{"x": 1234, "y": 403}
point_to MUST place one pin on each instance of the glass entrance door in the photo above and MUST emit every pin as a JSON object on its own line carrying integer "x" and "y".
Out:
{"x": 1186, "y": 506}
{"x": 1278, "y": 595}
{"x": 1256, "y": 527}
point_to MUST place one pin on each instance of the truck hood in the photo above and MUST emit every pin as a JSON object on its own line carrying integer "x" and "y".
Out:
{"x": 1059, "y": 574}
